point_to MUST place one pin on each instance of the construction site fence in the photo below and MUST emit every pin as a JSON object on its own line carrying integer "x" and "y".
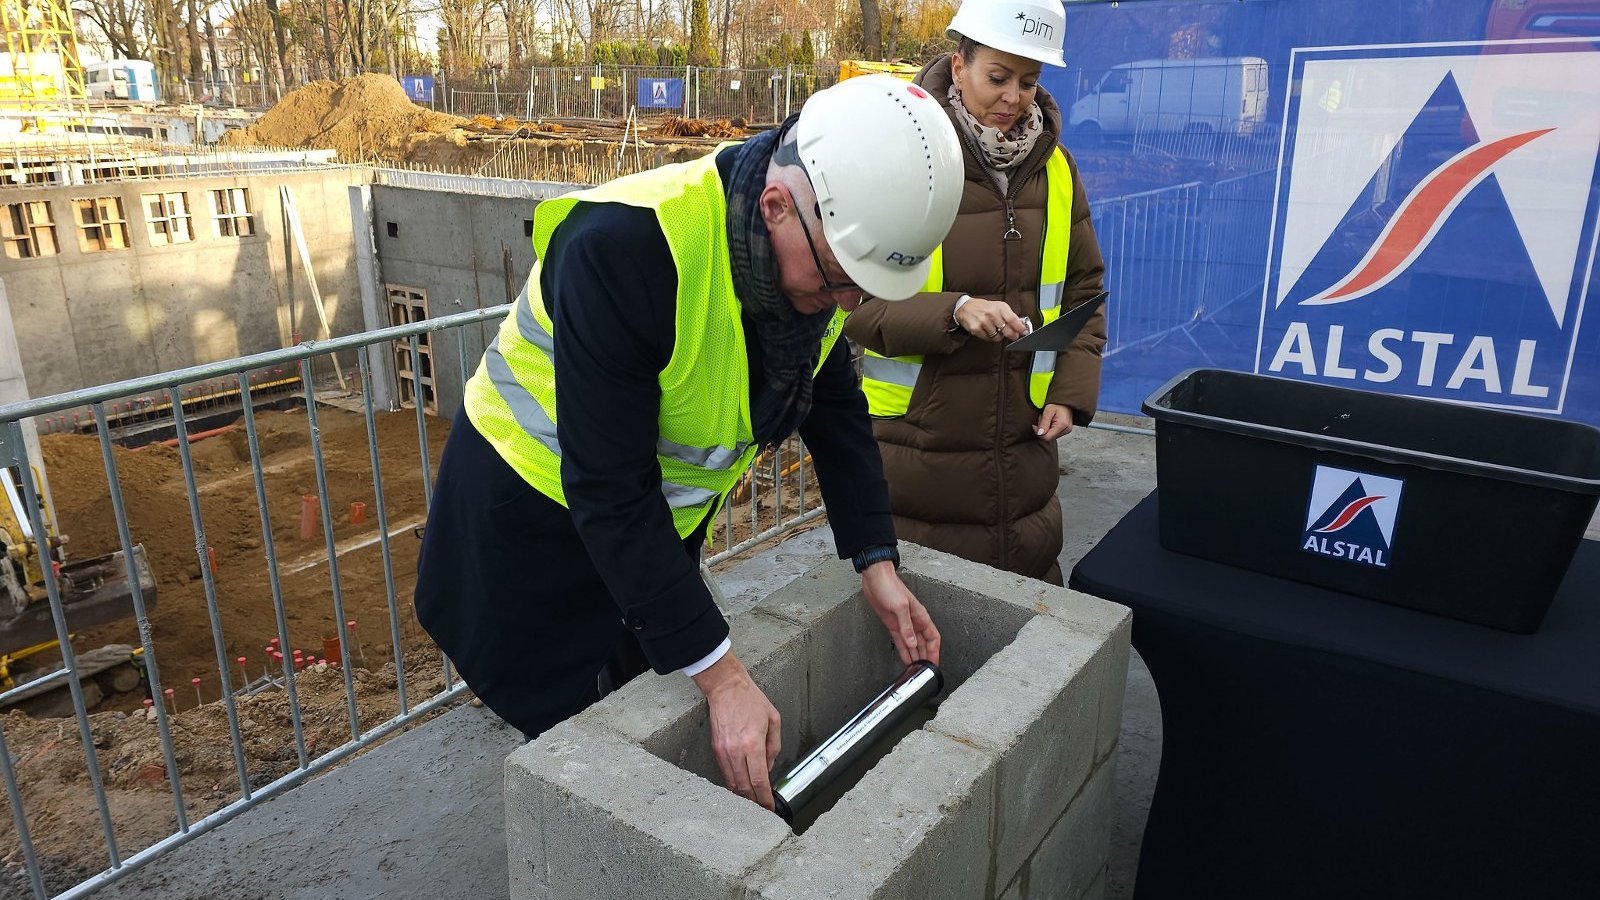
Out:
{"x": 1177, "y": 259}
{"x": 614, "y": 92}
{"x": 221, "y": 93}
{"x": 773, "y": 498}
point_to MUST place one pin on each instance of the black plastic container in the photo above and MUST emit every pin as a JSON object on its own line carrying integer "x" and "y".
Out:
{"x": 1455, "y": 510}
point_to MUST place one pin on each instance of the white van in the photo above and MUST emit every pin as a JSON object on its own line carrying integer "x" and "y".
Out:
{"x": 120, "y": 79}
{"x": 1218, "y": 95}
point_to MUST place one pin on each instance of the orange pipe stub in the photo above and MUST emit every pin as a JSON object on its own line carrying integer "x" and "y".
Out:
{"x": 308, "y": 516}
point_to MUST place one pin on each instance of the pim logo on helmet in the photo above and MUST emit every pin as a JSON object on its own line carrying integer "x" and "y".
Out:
{"x": 1434, "y": 227}
{"x": 1031, "y": 25}
{"x": 1351, "y": 516}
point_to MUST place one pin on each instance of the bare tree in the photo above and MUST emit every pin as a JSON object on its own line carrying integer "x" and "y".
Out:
{"x": 871, "y": 30}
{"x": 123, "y": 22}
{"x": 191, "y": 33}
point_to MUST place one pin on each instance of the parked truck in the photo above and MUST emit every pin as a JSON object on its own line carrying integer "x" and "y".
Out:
{"x": 1215, "y": 95}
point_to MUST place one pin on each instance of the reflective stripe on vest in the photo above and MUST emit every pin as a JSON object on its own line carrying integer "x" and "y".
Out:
{"x": 889, "y": 381}
{"x": 705, "y": 442}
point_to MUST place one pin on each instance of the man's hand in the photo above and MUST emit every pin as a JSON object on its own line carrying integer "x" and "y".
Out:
{"x": 745, "y": 728}
{"x": 900, "y": 612}
{"x": 1055, "y": 420}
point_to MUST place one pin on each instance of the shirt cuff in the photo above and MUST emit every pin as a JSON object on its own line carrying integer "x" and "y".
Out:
{"x": 709, "y": 660}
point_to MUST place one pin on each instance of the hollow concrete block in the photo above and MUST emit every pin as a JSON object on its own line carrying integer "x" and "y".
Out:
{"x": 1036, "y": 705}
{"x": 913, "y": 828}
{"x": 1072, "y": 858}
{"x": 593, "y": 816}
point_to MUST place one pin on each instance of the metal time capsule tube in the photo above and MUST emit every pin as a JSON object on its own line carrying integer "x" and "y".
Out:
{"x": 918, "y": 684}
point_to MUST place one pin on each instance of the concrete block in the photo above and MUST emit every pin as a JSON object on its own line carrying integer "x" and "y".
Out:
{"x": 651, "y": 703}
{"x": 1096, "y": 891}
{"x": 851, "y": 659}
{"x": 817, "y": 593}
{"x": 592, "y": 816}
{"x": 625, "y": 799}
{"x": 1036, "y": 705}
{"x": 913, "y": 828}
{"x": 1073, "y": 856}
{"x": 1116, "y": 687}
{"x": 1085, "y": 612}
{"x": 779, "y": 668}
{"x": 972, "y": 626}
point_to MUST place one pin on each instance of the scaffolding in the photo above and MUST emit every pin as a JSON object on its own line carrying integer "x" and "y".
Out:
{"x": 41, "y": 78}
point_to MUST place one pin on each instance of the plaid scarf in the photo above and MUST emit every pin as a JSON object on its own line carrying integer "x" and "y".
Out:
{"x": 786, "y": 341}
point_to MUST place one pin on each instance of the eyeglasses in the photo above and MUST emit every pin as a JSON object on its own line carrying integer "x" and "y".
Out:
{"x": 827, "y": 284}
{"x": 787, "y": 153}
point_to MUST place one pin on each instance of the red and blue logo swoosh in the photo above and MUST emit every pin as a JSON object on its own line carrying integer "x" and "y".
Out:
{"x": 1419, "y": 216}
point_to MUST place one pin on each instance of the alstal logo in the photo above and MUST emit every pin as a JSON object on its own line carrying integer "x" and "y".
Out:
{"x": 1434, "y": 226}
{"x": 1351, "y": 516}
{"x": 1039, "y": 27}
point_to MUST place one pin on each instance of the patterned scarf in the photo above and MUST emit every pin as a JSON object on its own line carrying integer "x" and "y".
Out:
{"x": 787, "y": 340}
{"x": 1001, "y": 150}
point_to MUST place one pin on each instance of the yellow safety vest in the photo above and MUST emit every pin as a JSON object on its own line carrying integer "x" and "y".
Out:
{"x": 706, "y": 439}
{"x": 889, "y": 380}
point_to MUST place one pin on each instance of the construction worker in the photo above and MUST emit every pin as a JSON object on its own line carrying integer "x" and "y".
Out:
{"x": 968, "y": 430}
{"x": 677, "y": 321}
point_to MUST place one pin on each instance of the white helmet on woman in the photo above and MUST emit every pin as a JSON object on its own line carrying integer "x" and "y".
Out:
{"x": 887, "y": 170}
{"x": 1029, "y": 28}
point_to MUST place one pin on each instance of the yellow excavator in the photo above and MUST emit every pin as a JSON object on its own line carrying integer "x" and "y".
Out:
{"x": 93, "y": 592}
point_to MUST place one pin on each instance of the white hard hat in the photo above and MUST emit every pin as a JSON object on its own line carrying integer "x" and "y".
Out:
{"x": 1028, "y": 28}
{"x": 887, "y": 169}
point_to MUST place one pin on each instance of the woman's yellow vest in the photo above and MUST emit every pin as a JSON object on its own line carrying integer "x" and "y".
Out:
{"x": 706, "y": 439}
{"x": 889, "y": 380}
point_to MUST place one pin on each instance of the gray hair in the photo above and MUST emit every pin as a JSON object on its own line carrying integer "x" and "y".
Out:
{"x": 787, "y": 169}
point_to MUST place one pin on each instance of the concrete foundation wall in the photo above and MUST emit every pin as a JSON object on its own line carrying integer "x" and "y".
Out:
{"x": 1005, "y": 793}
{"x": 465, "y": 251}
{"x": 87, "y": 318}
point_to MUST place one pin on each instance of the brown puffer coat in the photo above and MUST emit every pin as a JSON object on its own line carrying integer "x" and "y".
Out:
{"x": 967, "y": 475}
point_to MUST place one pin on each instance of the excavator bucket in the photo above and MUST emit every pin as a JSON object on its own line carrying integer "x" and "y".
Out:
{"x": 93, "y": 592}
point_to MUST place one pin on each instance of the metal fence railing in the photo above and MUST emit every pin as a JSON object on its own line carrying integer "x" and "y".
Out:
{"x": 1178, "y": 257}
{"x": 1152, "y": 242}
{"x": 1230, "y": 145}
{"x": 755, "y": 95}
{"x": 262, "y": 719}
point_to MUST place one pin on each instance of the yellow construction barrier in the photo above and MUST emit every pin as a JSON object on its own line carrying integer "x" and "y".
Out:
{"x": 850, "y": 68}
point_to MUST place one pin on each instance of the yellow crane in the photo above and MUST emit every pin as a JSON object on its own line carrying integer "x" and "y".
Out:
{"x": 41, "y": 77}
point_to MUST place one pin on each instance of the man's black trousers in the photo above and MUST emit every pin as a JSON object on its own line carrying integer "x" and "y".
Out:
{"x": 507, "y": 590}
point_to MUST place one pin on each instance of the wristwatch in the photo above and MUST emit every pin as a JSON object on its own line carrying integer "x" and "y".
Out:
{"x": 876, "y": 554}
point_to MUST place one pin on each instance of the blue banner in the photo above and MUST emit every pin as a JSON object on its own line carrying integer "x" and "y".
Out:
{"x": 418, "y": 87}
{"x": 660, "y": 93}
{"x": 1404, "y": 202}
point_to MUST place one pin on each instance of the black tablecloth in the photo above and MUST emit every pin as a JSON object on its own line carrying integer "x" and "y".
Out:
{"x": 1316, "y": 744}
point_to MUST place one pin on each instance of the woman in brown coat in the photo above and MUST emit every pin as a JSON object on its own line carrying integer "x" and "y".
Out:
{"x": 968, "y": 431}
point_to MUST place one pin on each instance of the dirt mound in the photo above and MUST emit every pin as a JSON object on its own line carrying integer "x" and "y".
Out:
{"x": 363, "y": 118}
{"x": 370, "y": 119}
